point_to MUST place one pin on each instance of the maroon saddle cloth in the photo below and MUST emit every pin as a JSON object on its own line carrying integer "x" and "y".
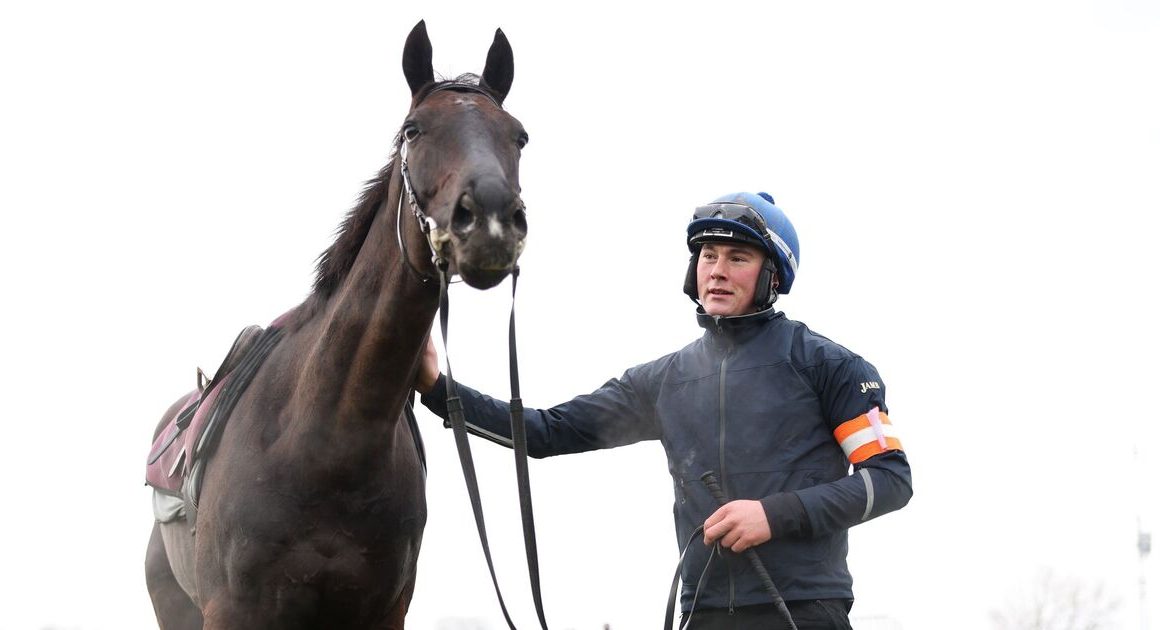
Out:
{"x": 177, "y": 458}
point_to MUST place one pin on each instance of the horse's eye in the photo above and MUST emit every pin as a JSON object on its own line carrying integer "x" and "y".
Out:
{"x": 411, "y": 132}
{"x": 522, "y": 140}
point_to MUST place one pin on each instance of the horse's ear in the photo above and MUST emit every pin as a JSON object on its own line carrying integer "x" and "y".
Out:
{"x": 417, "y": 58}
{"x": 500, "y": 68}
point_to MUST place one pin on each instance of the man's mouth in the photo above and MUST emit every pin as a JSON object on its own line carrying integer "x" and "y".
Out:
{"x": 719, "y": 292}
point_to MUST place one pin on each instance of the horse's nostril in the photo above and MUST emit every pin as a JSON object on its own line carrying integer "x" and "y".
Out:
{"x": 462, "y": 218}
{"x": 520, "y": 221}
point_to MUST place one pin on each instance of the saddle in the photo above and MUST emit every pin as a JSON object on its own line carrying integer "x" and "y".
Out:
{"x": 177, "y": 458}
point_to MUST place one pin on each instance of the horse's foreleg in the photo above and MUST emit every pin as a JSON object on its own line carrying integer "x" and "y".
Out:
{"x": 173, "y": 607}
{"x": 397, "y": 616}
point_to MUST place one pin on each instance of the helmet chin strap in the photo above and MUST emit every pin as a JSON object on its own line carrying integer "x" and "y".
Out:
{"x": 767, "y": 279}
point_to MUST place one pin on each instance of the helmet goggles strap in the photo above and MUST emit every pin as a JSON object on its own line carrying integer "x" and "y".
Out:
{"x": 738, "y": 212}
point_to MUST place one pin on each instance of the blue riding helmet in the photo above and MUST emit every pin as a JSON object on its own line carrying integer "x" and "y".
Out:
{"x": 747, "y": 218}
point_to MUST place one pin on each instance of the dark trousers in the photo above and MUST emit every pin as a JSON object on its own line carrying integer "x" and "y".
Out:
{"x": 808, "y": 614}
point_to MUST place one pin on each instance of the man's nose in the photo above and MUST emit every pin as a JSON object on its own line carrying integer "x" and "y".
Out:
{"x": 718, "y": 269}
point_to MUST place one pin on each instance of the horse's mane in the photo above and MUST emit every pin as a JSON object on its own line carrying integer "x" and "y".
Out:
{"x": 337, "y": 260}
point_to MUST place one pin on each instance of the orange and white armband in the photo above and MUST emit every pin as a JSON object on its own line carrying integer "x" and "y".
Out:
{"x": 867, "y": 435}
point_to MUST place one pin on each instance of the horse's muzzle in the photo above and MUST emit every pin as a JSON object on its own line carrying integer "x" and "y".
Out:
{"x": 488, "y": 228}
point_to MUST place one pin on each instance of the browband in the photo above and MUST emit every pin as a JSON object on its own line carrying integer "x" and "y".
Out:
{"x": 461, "y": 87}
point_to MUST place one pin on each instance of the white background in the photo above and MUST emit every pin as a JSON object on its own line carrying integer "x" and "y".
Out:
{"x": 973, "y": 184}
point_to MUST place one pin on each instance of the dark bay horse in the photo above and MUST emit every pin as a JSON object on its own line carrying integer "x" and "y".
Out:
{"x": 313, "y": 507}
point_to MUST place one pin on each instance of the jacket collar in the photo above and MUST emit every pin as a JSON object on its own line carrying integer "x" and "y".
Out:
{"x": 737, "y": 327}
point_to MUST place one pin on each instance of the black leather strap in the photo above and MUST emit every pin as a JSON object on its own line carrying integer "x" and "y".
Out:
{"x": 670, "y": 610}
{"x": 710, "y": 481}
{"x": 520, "y": 447}
{"x": 232, "y": 391}
{"x": 459, "y": 428}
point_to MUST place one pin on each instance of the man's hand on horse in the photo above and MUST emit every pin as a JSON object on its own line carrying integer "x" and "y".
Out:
{"x": 428, "y": 368}
{"x": 738, "y": 525}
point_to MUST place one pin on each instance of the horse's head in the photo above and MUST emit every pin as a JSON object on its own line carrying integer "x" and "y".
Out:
{"x": 462, "y": 155}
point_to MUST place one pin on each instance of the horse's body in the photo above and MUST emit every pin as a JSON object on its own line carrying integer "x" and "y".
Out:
{"x": 312, "y": 509}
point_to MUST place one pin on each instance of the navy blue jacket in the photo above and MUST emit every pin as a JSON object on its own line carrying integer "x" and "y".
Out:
{"x": 756, "y": 400}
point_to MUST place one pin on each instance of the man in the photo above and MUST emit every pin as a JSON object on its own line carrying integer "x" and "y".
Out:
{"x": 775, "y": 411}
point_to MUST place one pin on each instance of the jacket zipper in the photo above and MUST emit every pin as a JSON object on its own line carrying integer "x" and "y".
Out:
{"x": 721, "y": 463}
{"x": 721, "y": 429}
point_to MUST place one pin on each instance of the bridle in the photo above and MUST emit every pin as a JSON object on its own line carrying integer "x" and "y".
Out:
{"x": 436, "y": 238}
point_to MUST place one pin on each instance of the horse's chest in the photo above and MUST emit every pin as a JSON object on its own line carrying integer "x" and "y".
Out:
{"x": 350, "y": 572}
{"x": 327, "y": 526}
{"x": 305, "y": 550}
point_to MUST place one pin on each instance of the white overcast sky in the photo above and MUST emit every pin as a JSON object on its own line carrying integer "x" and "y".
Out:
{"x": 974, "y": 186}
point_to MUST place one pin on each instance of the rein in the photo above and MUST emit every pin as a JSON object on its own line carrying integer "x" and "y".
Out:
{"x": 710, "y": 481}
{"x": 436, "y": 238}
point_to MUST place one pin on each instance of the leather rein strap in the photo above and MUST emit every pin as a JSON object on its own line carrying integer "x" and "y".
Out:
{"x": 710, "y": 481}
{"x": 519, "y": 446}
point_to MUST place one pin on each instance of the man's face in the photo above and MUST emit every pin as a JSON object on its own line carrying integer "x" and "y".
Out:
{"x": 727, "y": 277}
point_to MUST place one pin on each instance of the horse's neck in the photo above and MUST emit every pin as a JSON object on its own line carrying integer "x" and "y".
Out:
{"x": 366, "y": 341}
